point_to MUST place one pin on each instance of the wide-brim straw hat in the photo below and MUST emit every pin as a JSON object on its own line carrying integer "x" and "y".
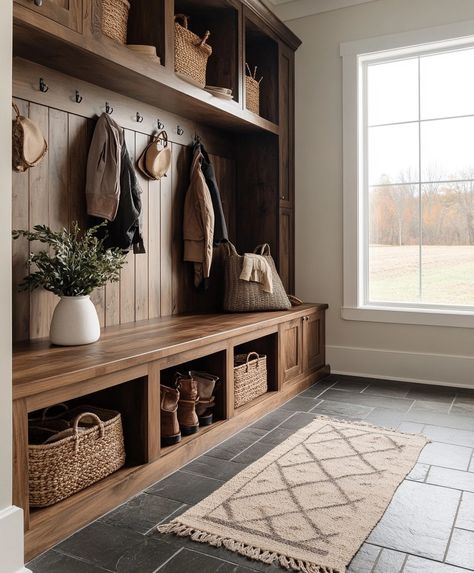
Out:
{"x": 155, "y": 159}
{"x": 29, "y": 145}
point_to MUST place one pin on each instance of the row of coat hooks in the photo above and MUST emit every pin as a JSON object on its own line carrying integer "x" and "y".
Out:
{"x": 43, "y": 87}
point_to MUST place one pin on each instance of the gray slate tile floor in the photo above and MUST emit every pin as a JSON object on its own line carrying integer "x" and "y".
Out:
{"x": 428, "y": 527}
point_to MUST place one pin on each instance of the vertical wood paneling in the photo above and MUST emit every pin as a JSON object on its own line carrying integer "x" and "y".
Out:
{"x": 142, "y": 260}
{"x": 158, "y": 283}
{"x": 20, "y": 247}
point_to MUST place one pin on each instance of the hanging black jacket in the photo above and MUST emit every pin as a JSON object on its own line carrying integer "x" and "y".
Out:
{"x": 220, "y": 227}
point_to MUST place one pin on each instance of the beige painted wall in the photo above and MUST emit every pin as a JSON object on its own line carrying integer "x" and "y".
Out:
{"x": 319, "y": 230}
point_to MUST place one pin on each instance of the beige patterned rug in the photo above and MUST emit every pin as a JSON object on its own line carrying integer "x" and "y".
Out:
{"x": 311, "y": 501}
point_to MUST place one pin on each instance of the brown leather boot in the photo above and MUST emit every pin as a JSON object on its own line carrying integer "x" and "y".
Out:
{"x": 206, "y": 384}
{"x": 170, "y": 433}
{"x": 189, "y": 397}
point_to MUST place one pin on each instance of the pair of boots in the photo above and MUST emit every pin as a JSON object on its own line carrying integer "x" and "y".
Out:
{"x": 186, "y": 405}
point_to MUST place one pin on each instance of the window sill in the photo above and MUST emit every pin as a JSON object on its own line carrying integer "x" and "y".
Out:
{"x": 424, "y": 317}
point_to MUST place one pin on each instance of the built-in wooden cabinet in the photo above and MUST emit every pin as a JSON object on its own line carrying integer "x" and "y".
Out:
{"x": 313, "y": 341}
{"x": 292, "y": 349}
{"x": 68, "y": 13}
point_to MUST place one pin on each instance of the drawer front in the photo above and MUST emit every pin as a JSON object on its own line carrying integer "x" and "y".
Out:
{"x": 292, "y": 349}
{"x": 313, "y": 342}
{"x": 68, "y": 13}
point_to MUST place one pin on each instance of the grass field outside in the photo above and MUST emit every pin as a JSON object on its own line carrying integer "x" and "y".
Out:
{"x": 447, "y": 274}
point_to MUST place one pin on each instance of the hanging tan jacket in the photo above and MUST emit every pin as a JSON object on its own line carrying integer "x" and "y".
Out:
{"x": 198, "y": 225}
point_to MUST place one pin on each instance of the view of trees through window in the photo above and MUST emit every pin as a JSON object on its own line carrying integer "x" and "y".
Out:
{"x": 420, "y": 171}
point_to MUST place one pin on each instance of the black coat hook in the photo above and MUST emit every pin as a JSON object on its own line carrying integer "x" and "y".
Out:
{"x": 38, "y": 3}
{"x": 108, "y": 109}
{"x": 43, "y": 86}
{"x": 160, "y": 124}
{"x": 78, "y": 97}
{"x": 139, "y": 117}
{"x": 179, "y": 130}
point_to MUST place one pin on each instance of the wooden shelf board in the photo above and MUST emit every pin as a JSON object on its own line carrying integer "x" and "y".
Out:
{"x": 263, "y": 398}
{"x": 186, "y": 439}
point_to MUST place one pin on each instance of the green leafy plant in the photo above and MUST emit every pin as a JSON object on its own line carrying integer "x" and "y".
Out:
{"x": 75, "y": 263}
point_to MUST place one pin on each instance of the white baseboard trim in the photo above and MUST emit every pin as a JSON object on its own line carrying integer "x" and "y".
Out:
{"x": 11, "y": 541}
{"x": 418, "y": 367}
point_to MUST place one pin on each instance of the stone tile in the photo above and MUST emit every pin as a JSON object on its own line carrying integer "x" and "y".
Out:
{"x": 54, "y": 562}
{"x": 397, "y": 404}
{"x": 419, "y": 472}
{"x": 352, "y": 384}
{"x": 449, "y": 435}
{"x": 461, "y": 549}
{"x": 233, "y": 446}
{"x": 388, "y": 388}
{"x": 341, "y": 409}
{"x": 463, "y": 407}
{"x": 214, "y": 468}
{"x": 146, "y": 557}
{"x": 411, "y": 428}
{"x": 440, "y": 419}
{"x": 465, "y": 518}
{"x": 141, "y": 513}
{"x": 184, "y": 487}
{"x": 471, "y": 465}
{"x": 389, "y": 561}
{"x": 418, "y": 520}
{"x": 299, "y": 404}
{"x": 385, "y": 418}
{"x": 102, "y": 544}
{"x": 272, "y": 420}
{"x": 187, "y": 560}
{"x": 364, "y": 559}
{"x": 429, "y": 406}
{"x": 315, "y": 391}
{"x": 253, "y": 453}
{"x": 276, "y": 436}
{"x": 432, "y": 393}
{"x": 451, "y": 478}
{"x": 298, "y": 420}
{"x": 446, "y": 455}
{"x": 419, "y": 565}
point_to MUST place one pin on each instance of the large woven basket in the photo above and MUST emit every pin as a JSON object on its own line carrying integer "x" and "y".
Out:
{"x": 115, "y": 19}
{"x": 250, "y": 377}
{"x": 252, "y": 94}
{"x": 190, "y": 52}
{"x": 92, "y": 450}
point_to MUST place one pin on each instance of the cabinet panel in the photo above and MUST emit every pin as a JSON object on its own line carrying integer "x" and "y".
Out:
{"x": 313, "y": 342}
{"x": 287, "y": 120}
{"x": 292, "y": 349}
{"x": 286, "y": 251}
{"x": 65, "y": 12}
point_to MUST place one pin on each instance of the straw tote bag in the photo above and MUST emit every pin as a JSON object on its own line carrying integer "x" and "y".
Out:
{"x": 244, "y": 296}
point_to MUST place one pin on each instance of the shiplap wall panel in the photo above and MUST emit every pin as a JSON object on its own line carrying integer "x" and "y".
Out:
{"x": 157, "y": 283}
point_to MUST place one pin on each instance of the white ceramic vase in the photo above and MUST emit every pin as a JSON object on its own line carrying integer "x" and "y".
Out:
{"x": 74, "y": 322}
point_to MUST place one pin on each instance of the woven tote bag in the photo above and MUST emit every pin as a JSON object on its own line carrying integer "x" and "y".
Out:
{"x": 244, "y": 296}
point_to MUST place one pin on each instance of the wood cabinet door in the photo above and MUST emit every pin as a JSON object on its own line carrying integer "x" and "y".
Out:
{"x": 313, "y": 342}
{"x": 65, "y": 12}
{"x": 292, "y": 349}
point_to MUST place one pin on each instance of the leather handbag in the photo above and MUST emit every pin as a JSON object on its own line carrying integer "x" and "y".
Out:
{"x": 247, "y": 296}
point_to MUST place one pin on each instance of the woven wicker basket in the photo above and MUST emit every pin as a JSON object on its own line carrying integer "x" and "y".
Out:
{"x": 89, "y": 453}
{"x": 115, "y": 19}
{"x": 250, "y": 377}
{"x": 252, "y": 94}
{"x": 190, "y": 52}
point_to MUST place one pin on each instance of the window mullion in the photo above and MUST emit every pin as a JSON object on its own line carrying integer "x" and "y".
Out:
{"x": 420, "y": 206}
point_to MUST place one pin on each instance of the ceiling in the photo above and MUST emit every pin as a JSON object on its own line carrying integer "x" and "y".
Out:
{"x": 292, "y": 9}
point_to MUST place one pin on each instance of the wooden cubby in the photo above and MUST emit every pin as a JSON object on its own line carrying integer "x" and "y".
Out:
{"x": 146, "y": 25}
{"x": 267, "y": 345}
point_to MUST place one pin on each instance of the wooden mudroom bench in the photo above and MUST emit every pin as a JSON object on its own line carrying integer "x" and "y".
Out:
{"x": 123, "y": 371}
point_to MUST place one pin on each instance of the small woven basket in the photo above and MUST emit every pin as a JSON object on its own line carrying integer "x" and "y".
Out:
{"x": 250, "y": 377}
{"x": 252, "y": 97}
{"x": 190, "y": 52}
{"x": 115, "y": 19}
{"x": 89, "y": 453}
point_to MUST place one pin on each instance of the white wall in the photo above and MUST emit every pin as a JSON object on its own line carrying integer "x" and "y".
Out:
{"x": 438, "y": 354}
{"x": 11, "y": 518}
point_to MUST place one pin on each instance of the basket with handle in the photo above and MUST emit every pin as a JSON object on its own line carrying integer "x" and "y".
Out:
{"x": 190, "y": 52}
{"x": 90, "y": 449}
{"x": 115, "y": 19}
{"x": 252, "y": 90}
{"x": 250, "y": 377}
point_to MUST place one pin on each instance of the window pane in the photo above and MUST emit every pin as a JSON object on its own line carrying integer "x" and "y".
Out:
{"x": 447, "y": 149}
{"x": 392, "y": 92}
{"x": 447, "y": 84}
{"x": 448, "y": 243}
{"x": 393, "y": 154}
{"x": 394, "y": 263}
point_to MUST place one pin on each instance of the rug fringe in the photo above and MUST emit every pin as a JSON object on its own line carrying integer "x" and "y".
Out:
{"x": 255, "y": 553}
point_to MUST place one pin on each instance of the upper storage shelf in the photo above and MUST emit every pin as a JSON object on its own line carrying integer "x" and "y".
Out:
{"x": 70, "y": 40}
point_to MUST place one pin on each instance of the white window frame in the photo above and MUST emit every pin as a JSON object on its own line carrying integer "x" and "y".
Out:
{"x": 354, "y": 55}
